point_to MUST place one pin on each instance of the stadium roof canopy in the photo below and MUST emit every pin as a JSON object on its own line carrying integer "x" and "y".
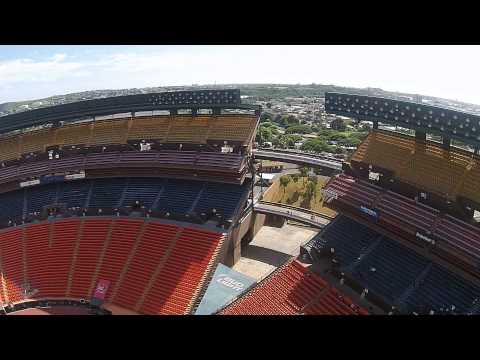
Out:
{"x": 199, "y": 99}
{"x": 448, "y": 123}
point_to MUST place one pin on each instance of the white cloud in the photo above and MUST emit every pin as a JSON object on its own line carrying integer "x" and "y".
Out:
{"x": 445, "y": 71}
{"x": 28, "y": 70}
{"x": 59, "y": 57}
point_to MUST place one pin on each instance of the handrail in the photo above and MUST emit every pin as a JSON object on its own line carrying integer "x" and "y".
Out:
{"x": 128, "y": 159}
{"x": 299, "y": 153}
{"x": 308, "y": 211}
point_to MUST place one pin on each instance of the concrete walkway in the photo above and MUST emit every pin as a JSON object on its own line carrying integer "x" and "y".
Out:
{"x": 271, "y": 248}
{"x": 303, "y": 216}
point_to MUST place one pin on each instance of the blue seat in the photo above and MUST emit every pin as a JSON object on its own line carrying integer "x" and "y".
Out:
{"x": 144, "y": 190}
{"x": 440, "y": 289}
{"x": 107, "y": 193}
{"x": 74, "y": 194}
{"x": 11, "y": 205}
{"x": 222, "y": 197}
{"x": 175, "y": 196}
{"x": 348, "y": 238}
{"x": 178, "y": 196}
{"x": 396, "y": 268}
{"x": 40, "y": 196}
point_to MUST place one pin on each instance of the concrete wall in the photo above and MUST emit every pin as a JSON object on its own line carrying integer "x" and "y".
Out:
{"x": 242, "y": 228}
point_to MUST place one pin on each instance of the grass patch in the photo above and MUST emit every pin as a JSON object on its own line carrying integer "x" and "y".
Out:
{"x": 294, "y": 195}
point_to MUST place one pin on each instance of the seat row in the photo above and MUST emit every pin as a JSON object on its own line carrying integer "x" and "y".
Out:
{"x": 230, "y": 165}
{"x": 169, "y": 195}
{"x": 166, "y": 129}
{"x": 293, "y": 290}
{"x": 448, "y": 173}
{"x": 152, "y": 267}
{"x": 392, "y": 272}
{"x": 407, "y": 217}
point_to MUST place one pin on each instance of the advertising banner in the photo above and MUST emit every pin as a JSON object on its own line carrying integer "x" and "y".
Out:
{"x": 226, "y": 286}
{"x": 101, "y": 289}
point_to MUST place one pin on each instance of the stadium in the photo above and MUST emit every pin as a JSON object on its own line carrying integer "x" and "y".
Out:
{"x": 143, "y": 204}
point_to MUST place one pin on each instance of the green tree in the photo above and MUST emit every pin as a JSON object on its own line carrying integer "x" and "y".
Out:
{"x": 280, "y": 142}
{"x": 317, "y": 171}
{"x": 298, "y": 129}
{"x": 286, "y": 140}
{"x": 267, "y": 124}
{"x": 338, "y": 124}
{"x": 292, "y": 119}
{"x": 337, "y": 136}
{"x": 263, "y": 135}
{"x": 317, "y": 145}
{"x": 304, "y": 172}
{"x": 278, "y": 119}
{"x": 284, "y": 181}
{"x": 265, "y": 117}
{"x": 313, "y": 180}
{"x": 295, "y": 178}
{"x": 310, "y": 191}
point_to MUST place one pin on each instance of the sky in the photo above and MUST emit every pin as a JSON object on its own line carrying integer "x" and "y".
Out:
{"x": 33, "y": 72}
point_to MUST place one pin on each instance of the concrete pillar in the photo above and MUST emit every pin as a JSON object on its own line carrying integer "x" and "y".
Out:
{"x": 446, "y": 143}
{"x": 420, "y": 136}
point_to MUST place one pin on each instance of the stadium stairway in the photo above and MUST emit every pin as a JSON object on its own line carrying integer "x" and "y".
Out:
{"x": 167, "y": 252}
{"x": 126, "y": 266}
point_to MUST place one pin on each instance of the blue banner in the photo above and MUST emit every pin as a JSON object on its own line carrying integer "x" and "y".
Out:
{"x": 52, "y": 178}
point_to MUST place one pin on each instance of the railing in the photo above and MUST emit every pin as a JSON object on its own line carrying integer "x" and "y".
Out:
{"x": 48, "y": 302}
{"x": 303, "y": 158}
{"x": 299, "y": 153}
{"x": 307, "y": 211}
{"x": 201, "y": 162}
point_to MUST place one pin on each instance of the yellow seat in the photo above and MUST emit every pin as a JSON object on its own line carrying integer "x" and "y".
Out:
{"x": 109, "y": 132}
{"x": 9, "y": 148}
{"x": 233, "y": 127}
{"x": 427, "y": 166}
{"x": 188, "y": 129}
{"x": 37, "y": 140}
{"x": 155, "y": 127}
{"x": 75, "y": 134}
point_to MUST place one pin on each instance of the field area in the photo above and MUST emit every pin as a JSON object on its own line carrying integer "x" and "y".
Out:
{"x": 295, "y": 194}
